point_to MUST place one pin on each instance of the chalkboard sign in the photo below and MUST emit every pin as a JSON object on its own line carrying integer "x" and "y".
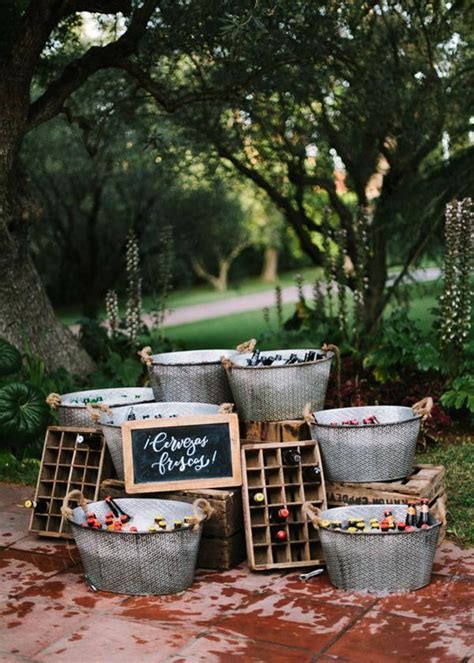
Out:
{"x": 181, "y": 452}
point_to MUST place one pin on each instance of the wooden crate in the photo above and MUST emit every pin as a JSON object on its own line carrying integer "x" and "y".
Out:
{"x": 67, "y": 465}
{"x": 425, "y": 481}
{"x": 223, "y": 540}
{"x": 264, "y": 471}
{"x": 222, "y": 553}
{"x": 274, "y": 431}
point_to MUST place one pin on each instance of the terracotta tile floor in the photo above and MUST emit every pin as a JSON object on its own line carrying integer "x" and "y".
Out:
{"x": 47, "y": 613}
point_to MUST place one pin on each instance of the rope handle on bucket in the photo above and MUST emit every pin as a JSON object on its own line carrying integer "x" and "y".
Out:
{"x": 205, "y": 507}
{"x": 145, "y": 355}
{"x": 308, "y": 414}
{"x": 94, "y": 410}
{"x": 226, "y": 408}
{"x": 423, "y": 407}
{"x": 80, "y": 499}
{"x": 53, "y": 400}
{"x": 329, "y": 347}
{"x": 247, "y": 346}
{"x": 312, "y": 513}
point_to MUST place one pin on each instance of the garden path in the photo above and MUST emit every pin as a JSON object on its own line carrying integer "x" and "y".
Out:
{"x": 259, "y": 300}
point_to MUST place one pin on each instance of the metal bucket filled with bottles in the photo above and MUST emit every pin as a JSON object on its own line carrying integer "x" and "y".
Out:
{"x": 370, "y": 443}
{"x": 275, "y": 385}
{"x": 377, "y": 549}
{"x": 137, "y": 546}
{"x": 73, "y": 409}
{"x": 111, "y": 420}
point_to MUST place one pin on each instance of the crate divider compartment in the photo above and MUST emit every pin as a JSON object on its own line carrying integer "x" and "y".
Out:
{"x": 67, "y": 465}
{"x": 283, "y": 486}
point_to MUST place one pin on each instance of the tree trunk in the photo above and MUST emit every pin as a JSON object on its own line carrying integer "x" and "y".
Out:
{"x": 269, "y": 272}
{"x": 28, "y": 321}
{"x": 27, "y": 318}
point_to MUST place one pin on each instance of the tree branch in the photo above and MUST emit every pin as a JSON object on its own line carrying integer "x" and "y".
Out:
{"x": 77, "y": 72}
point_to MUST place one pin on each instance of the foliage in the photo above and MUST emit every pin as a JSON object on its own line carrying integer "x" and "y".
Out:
{"x": 23, "y": 410}
{"x": 10, "y": 358}
{"x": 16, "y": 470}
{"x": 456, "y": 453}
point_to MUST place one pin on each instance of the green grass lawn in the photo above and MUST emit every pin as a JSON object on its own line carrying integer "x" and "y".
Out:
{"x": 203, "y": 294}
{"x": 229, "y": 330}
{"x": 458, "y": 459}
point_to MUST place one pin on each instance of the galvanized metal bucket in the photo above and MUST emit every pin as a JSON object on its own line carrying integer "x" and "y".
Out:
{"x": 72, "y": 408}
{"x": 195, "y": 375}
{"x": 276, "y": 392}
{"x": 111, "y": 422}
{"x": 374, "y": 452}
{"x": 376, "y": 561}
{"x": 142, "y": 563}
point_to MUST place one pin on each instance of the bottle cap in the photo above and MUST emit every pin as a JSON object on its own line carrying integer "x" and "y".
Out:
{"x": 283, "y": 513}
{"x": 352, "y": 530}
{"x": 152, "y": 529}
{"x": 258, "y": 497}
{"x": 325, "y": 524}
{"x": 162, "y": 524}
{"x": 281, "y": 534}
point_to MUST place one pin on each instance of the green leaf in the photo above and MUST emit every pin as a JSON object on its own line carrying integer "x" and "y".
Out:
{"x": 10, "y": 358}
{"x": 23, "y": 410}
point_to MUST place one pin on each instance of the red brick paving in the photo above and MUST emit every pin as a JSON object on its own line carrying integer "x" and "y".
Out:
{"x": 47, "y": 613}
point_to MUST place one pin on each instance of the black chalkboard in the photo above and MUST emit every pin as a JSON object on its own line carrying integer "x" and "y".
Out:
{"x": 182, "y": 452}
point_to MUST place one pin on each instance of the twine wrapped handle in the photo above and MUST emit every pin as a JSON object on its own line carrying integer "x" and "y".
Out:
{"x": 53, "y": 400}
{"x": 308, "y": 414}
{"x": 423, "y": 408}
{"x": 94, "y": 410}
{"x": 145, "y": 355}
{"x": 80, "y": 499}
{"x": 226, "y": 363}
{"x": 312, "y": 513}
{"x": 247, "y": 346}
{"x": 226, "y": 408}
{"x": 328, "y": 347}
{"x": 197, "y": 518}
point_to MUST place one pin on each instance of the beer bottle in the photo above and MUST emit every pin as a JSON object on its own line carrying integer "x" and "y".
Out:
{"x": 279, "y": 515}
{"x": 291, "y": 457}
{"x": 279, "y": 536}
{"x": 118, "y": 511}
{"x": 312, "y": 474}
{"x": 424, "y": 517}
{"x": 411, "y": 514}
{"x": 388, "y": 516}
{"x": 39, "y": 506}
{"x": 257, "y": 498}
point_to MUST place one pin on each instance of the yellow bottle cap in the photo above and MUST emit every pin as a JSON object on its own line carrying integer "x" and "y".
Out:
{"x": 325, "y": 524}
{"x": 352, "y": 530}
{"x": 152, "y": 529}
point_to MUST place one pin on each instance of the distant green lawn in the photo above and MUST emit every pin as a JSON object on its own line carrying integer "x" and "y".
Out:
{"x": 230, "y": 330}
{"x": 203, "y": 294}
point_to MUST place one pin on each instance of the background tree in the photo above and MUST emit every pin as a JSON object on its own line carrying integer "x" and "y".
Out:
{"x": 367, "y": 87}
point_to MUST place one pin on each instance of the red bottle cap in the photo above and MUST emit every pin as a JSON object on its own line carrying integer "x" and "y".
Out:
{"x": 425, "y": 526}
{"x": 283, "y": 513}
{"x": 133, "y": 529}
{"x": 409, "y": 528}
{"x": 124, "y": 518}
{"x": 281, "y": 535}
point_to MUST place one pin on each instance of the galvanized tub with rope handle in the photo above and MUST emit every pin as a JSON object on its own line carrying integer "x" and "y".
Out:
{"x": 193, "y": 375}
{"x": 279, "y": 391}
{"x": 143, "y": 562}
{"x": 72, "y": 408}
{"x": 110, "y": 420}
{"x": 382, "y": 451}
{"x": 375, "y": 561}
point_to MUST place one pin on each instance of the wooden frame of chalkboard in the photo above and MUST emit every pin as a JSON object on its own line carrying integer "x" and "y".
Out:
{"x": 182, "y": 453}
